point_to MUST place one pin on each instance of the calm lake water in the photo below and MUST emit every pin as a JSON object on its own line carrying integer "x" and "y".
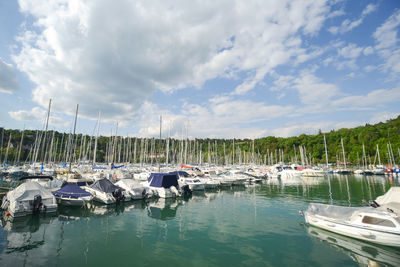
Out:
{"x": 243, "y": 226}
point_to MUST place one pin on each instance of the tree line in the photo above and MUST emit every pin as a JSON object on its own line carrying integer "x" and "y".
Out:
{"x": 27, "y": 146}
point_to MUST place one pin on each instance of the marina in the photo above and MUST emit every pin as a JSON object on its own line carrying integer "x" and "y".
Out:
{"x": 217, "y": 133}
{"x": 254, "y": 224}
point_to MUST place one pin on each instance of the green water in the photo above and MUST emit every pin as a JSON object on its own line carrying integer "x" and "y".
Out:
{"x": 242, "y": 226}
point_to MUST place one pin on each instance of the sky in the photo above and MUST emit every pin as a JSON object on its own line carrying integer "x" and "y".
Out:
{"x": 210, "y": 69}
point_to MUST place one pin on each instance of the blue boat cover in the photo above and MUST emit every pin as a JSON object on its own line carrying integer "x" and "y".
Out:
{"x": 116, "y": 167}
{"x": 71, "y": 190}
{"x": 180, "y": 173}
{"x": 98, "y": 167}
{"x": 165, "y": 180}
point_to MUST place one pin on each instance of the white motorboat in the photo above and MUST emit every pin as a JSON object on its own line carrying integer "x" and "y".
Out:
{"x": 165, "y": 185}
{"x": 135, "y": 189}
{"x": 288, "y": 173}
{"x": 106, "y": 192}
{"x": 70, "y": 194}
{"x": 379, "y": 170}
{"x": 194, "y": 184}
{"x": 359, "y": 172}
{"x": 29, "y": 198}
{"x": 210, "y": 183}
{"x": 365, "y": 223}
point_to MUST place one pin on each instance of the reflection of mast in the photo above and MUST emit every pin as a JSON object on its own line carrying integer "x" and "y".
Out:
{"x": 348, "y": 189}
{"x": 330, "y": 189}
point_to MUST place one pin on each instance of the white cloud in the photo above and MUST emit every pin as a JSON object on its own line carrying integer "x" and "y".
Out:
{"x": 368, "y": 51}
{"x": 386, "y": 34}
{"x": 114, "y": 56}
{"x": 372, "y": 100}
{"x": 313, "y": 91}
{"x": 348, "y": 25}
{"x": 38, "y": 114}
{"x": 295, "y": 129}
{"x": 387, "y": 43}
{"x": 35, "y": 114}
{"x": 383, "y": 117}
{"x": 227, "y": 118}
{"x": 369, "y": 68}
{"x": 8, "y": 78}
{"x": 282, "y": 82}
{"x": 369, "y": 9}
{"x": 351, "y": 51}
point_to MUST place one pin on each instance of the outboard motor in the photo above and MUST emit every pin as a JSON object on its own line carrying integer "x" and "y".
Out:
{"x": 117, "y": 194}
{"x": 185, "y": 190}
{"x": 37, "y": 203}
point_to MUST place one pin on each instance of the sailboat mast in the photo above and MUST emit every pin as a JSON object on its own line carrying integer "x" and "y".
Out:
{"x": 70, "y": 156}
{"x": 45, "y": 133}
{"x": 344, "y": 157}
{"x": 326, "y": 152}
{"x": 159, "y": 154}
{"x": 1, "y": 143}
{"x": 97, "y": 136}
{"x": 20, "y": 145}
{"x": 379, "y": 157}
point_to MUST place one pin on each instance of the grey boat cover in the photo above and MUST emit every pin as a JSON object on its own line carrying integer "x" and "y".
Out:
{"x": 104, "y": 185}
{"x": 332, "y": 211}
{"x": 390, "y": 200}
{"x": 27, "y": 191}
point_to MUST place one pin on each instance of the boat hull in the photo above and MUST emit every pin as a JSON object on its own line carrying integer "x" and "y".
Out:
{"x": 75, "y": 202}
{"x": 378, "y": 237}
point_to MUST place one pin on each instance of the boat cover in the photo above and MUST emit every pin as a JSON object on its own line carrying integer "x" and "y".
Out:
{"x": 332, "y": 211}
{"x": 116, "y": 167}
{"x": 163, "y": 180}
{"x": 27, "y": 191}
{"x": 128, "y": 183}
{"x": 391, "y": 199}
{"x": 180, "y": 173}
{"x": 71, "y": 190}
{"x": 51, "y": 184}
{"x": 104, "y": 185}
{"x": 98, "y": 167}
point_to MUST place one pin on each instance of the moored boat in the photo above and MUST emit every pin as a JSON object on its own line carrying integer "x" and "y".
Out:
{"x": 106, "y": 192}
{"x": 71, "y": 194}
{"x": 365, "y": 223}
{"x": 28, "y": 198}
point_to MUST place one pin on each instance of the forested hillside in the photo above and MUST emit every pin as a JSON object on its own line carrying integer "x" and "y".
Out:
{"x": 55, "y": 146}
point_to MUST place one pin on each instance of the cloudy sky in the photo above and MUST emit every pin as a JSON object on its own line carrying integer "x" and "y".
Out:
{"x": 220, "y": 68}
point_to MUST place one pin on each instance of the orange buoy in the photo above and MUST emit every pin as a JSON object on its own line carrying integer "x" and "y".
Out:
{"x": 8, "y": 213}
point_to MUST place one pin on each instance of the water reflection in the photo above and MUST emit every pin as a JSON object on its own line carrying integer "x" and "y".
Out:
{"x": 364, "y": 253}
{"x": 260, "y": 216}
{"x": 163, "y": 208}
{"x": 26, "y": 233}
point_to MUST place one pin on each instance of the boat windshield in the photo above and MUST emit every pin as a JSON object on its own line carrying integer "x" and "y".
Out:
{"x": 377, "y": 221}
